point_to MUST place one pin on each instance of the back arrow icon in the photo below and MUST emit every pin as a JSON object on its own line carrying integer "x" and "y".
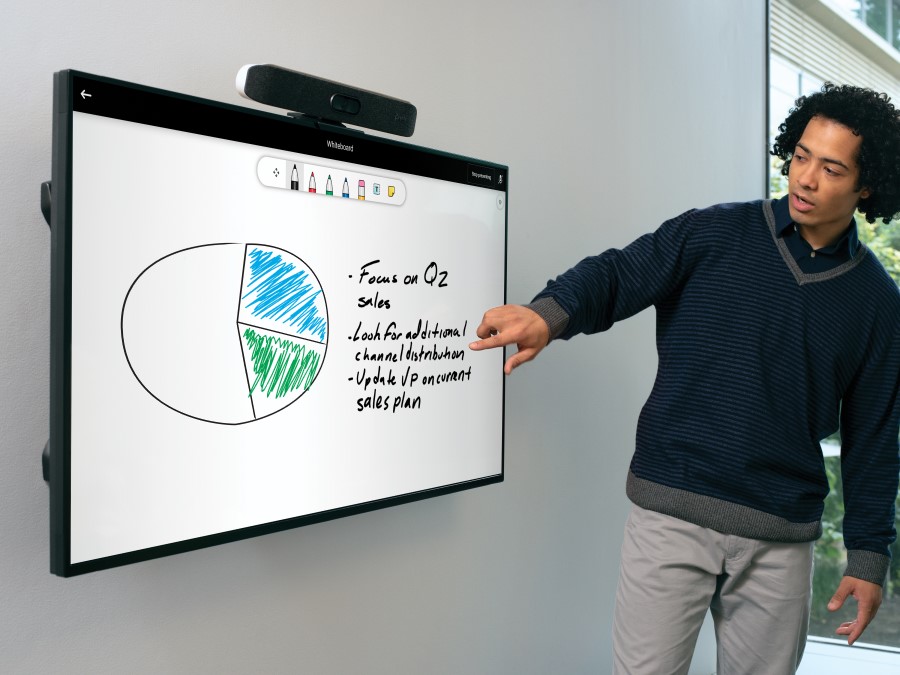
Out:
{"x": 84, "y": 94}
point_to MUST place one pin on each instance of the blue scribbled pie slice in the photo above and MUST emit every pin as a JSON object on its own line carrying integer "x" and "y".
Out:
{"x": 280, "y": 292}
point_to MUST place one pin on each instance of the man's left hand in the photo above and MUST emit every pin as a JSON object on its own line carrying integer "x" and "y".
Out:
{"x": 868, "y": 600}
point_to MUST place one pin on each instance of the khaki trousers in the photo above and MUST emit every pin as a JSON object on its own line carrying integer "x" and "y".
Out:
{"x": 672, "y": 572}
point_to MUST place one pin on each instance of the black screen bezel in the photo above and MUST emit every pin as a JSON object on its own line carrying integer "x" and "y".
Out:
{"x": 137, "y": 103}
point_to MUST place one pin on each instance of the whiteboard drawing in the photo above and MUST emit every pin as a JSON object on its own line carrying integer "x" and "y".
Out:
{"x": 226, "y": 333}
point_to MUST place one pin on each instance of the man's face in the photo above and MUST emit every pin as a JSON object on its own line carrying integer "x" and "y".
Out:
{"x": 823, "y": 176}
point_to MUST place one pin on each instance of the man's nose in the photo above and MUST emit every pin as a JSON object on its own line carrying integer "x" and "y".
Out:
{"x": 807, "y": 176}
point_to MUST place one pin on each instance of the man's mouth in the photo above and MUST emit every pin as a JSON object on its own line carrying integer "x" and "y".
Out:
{"x": 800, "y": 203}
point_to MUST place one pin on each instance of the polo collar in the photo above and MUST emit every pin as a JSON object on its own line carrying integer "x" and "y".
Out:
{"x": 784, "y": 226}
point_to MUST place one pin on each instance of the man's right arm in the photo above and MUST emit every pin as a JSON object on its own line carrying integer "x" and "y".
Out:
{"x": 597, "y": 292}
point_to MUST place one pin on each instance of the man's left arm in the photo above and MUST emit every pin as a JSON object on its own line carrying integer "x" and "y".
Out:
{"x": 870, "y": 465}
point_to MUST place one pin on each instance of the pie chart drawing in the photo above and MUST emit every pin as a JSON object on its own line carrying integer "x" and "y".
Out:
{"x": 226, "y": 333}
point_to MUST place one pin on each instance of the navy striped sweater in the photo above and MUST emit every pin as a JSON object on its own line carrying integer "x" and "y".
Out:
{"x": 758, "y": 362}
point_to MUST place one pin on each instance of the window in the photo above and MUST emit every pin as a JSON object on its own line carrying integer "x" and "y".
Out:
{"x": 882, "y": 16}
{"x": 830, "y": 46}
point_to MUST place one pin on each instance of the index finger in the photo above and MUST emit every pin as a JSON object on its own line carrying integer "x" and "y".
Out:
{"x": 492, "y": 339}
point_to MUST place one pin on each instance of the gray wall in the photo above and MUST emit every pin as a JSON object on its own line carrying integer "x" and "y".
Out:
{"x": 658, "y": 106}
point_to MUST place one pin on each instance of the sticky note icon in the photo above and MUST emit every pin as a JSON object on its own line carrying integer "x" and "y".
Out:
{"x": 390, "y": 190}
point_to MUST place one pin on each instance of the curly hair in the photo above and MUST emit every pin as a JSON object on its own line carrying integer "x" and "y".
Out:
{"x": 869, "y": 115}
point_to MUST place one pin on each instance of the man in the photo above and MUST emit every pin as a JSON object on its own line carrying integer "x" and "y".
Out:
{"x": 775, "y": 323}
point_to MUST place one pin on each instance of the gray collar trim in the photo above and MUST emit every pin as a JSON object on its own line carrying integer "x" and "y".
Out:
{"x": 801, "y": 276}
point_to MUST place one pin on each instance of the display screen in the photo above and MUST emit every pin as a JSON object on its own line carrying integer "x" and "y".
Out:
{"x": 258, "y": 323}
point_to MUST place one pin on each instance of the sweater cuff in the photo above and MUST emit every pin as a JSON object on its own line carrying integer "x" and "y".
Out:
{"x": 550, "y": 311}
{"x": 868, "y": 566}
